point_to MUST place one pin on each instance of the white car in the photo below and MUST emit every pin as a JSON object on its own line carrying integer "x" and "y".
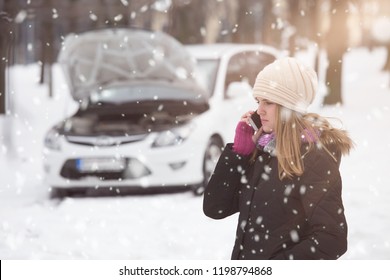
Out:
{"x": 150, "y": 114}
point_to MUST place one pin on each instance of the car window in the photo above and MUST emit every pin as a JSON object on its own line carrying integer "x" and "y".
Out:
{"x": 206, "y": 74}
{"x": 245, "y": 66}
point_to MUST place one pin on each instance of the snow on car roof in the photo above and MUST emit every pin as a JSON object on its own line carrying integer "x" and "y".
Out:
{"x": 101, "y": 57}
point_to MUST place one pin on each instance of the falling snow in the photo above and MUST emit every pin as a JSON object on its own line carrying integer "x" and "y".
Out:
{"x": 162, "y": 226}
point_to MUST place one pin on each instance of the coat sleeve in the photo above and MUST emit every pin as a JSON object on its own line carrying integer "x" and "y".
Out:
{"x": 320, "y": 191}
{"x": 220, "y": 198}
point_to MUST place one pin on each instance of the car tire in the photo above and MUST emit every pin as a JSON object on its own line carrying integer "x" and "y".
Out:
{"x": 211, "y": 156}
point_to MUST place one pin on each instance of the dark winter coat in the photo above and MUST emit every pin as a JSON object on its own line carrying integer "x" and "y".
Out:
{"x": 299, "y": 218}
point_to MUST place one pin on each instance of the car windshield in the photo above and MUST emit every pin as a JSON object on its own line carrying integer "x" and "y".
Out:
{"x": 144, "y": 92}
{"x": 206, "y": 73}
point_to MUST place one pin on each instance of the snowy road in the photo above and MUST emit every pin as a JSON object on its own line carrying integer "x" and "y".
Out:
{"x": 161, "y": 226}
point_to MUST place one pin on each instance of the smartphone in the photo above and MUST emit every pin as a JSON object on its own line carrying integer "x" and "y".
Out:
{"x": 255, "y": 121}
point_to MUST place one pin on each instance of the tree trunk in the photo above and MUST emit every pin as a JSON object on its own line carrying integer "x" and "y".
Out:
{"x": 187, "y": 20}
{"x": 5, "y": 44}
{"x": 336, "y": 46}
{"x": 3, "y": 53}
{"x": 334, "y": 79}
{"x": 47, "y": 47}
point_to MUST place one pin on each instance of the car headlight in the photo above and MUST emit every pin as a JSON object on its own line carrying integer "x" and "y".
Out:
{"x": 52, "y": 140}
{"x": 173, "y": 136}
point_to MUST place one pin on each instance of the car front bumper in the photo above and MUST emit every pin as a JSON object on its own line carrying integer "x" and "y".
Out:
{"x": 133, "y": 165}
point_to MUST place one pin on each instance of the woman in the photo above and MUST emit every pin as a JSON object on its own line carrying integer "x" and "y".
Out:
{"x": 284, "y": 179}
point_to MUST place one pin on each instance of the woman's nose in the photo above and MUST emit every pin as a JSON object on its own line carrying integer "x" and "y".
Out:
{"x": 260, "y": 109}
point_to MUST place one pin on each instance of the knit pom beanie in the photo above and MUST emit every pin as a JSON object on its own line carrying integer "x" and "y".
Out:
{"x": 287, "y": 82}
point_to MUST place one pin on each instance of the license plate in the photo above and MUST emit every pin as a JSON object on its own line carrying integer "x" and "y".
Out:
{"x": 96, "y": 165}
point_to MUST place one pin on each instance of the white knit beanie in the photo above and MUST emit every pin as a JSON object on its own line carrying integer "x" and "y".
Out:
{"x": 287, "y": 82}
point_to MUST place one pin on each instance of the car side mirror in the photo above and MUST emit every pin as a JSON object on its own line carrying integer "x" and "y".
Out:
{"x": 238, "y": 89}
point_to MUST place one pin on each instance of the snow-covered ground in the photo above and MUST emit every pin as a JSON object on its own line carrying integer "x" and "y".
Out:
{"x": 172, "y": 226}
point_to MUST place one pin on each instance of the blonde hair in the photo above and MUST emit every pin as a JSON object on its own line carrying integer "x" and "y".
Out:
{"x": 292, "y": 128}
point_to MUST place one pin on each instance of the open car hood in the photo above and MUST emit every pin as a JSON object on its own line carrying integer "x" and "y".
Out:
{"x": 99, "y": 58}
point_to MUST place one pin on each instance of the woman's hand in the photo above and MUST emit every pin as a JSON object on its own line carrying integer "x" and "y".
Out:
{"x": 243, "y": 141}
{"x": 245, "y": 117}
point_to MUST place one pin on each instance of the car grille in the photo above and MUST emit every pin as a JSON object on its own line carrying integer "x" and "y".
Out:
{"x": 130, "y": 169}
{"x": 104, "y": 141}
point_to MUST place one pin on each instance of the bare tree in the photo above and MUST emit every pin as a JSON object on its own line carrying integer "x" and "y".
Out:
{"x": 254, "y": 22}
{"x": 336, "y": 46}
{"x": 5, "y": 46}
{"x": 6, "y": 43}
{"x": 47, "y": 47}
{"x": 187, "y": 20}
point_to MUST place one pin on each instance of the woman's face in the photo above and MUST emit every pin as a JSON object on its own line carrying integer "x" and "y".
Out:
{"x": 267, "y": 111}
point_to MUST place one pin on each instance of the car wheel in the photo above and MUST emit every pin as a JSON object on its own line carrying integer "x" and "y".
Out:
{"x": 211, "y": 156}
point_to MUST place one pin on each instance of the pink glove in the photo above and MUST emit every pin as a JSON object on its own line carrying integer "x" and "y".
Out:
{"x": 243, "y": 143}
